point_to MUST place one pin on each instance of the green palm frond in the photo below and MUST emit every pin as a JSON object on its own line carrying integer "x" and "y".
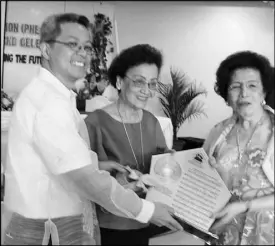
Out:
{"x": 193, "y": 111}
{"x": 179, "y": 100}
{"x": 166, "y": 108}
{"x": 186, "y": 98}
{"x": 164, "y": 89}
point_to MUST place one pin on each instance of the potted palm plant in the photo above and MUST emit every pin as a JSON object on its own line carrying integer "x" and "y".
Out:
{"x": 179, "y": 100}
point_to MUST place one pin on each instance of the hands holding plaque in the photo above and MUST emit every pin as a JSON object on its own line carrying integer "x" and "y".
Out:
{"x": 129, "y": 178}
{"x": 190, "y": 185}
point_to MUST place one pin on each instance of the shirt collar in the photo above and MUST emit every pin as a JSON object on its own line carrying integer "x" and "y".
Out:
{"x": 47, "y": 76}
{"x": 73, "y": 97}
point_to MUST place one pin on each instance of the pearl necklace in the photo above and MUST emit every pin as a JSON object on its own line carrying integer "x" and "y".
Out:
{"x": 141, "y": 138}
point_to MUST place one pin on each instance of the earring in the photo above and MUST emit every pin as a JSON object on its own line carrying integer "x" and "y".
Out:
{"x": 263, "y": 103}
{"x": 118, "y": 84}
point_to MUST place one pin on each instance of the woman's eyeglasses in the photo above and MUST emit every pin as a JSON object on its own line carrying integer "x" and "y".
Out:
{"x": 237, "y": 87}
{"x": 142, "y": 84}
{"x": 75, "y": 46}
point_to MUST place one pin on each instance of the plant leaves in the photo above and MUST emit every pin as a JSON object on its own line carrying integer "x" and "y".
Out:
{"x": 179, "y": 100}
{"x": 193, "y": 111}
{"x": 166, "y": 108}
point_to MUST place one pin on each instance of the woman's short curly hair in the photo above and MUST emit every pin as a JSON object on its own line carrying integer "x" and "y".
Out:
{"x": 131, "y": 57}
{"x": 238, "y": 60}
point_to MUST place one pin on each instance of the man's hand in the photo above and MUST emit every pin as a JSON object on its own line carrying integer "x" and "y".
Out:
{"x": 170, "y": 151}
{"x": 163, "y": 217}
{"x": 165, "y": 151}
{"x": 110, "y": 166}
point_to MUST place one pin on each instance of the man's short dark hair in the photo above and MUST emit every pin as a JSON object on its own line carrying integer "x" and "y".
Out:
{"x": 51, "y": 26}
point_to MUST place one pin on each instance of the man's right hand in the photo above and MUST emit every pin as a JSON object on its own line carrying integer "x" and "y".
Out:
{"x": 162, "y": 216}
{"x": 110, "y": 166}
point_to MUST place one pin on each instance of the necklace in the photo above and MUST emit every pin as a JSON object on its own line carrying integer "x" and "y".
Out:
{"x": 141, "y": 139}
{"x": 241, "y": 152}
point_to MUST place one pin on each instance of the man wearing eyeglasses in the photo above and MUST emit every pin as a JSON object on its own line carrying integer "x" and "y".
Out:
{"x": 51, "y": 174}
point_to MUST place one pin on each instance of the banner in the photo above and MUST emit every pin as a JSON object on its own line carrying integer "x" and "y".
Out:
{"x": 21, "y": 56}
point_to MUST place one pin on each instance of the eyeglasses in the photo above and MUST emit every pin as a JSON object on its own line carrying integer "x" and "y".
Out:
{"x": 141, "y": 84}
{"x": 237, "y": 87}
{"x": 75, "y": 46}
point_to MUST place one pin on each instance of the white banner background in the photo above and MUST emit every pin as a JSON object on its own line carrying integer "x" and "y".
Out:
{"x": 17, "y": 75}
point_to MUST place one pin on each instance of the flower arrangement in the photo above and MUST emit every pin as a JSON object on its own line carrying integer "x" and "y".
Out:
{"x": 6, "y": 111}
{"x": 102, "y": 46}
{"x": 6, "y": 101}
{"x": 97, "y": 79}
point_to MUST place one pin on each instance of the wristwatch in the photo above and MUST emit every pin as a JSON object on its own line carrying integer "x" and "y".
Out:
{"x": 247, "y": 206}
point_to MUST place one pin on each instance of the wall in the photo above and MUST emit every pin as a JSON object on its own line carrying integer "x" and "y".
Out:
{"x": 193, "y": 36}
{"x": 196, "y": 37}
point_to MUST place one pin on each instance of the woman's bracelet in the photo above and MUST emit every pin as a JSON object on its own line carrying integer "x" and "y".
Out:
{"x": 247, "y": 206}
